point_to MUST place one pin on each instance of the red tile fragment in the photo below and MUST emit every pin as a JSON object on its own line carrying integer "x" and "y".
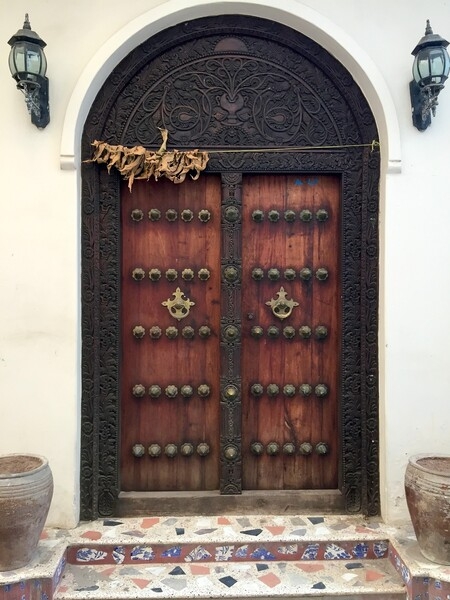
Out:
{"x": 276, "y": 530}
{"x": 44, "y": 535}
{"x": 200, "y": 570}
{"x": 271, "y": 580}
{"x": 309, "y": 567}
{"x": 92, "y": 535}
{"x": 149, "y": 522}
{"x": 373, "y": 575}
{"x": 223, "y": 521}
{"x": 141, "y": 583}
{"x": 361, "y": 529}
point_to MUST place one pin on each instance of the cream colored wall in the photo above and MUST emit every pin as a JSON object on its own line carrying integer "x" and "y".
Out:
{"x": 39, "y": 224}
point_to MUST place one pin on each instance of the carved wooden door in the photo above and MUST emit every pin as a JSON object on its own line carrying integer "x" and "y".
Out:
{"x": 231, "y": 334}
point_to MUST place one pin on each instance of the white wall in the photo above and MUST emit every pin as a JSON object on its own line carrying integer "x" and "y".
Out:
{"x": 39, "y": 227}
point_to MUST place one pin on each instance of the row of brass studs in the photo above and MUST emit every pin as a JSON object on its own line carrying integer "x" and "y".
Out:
{"x": 305, "y": 332}
{"x": 305, "y": 215}
{"x": 289, "y": 448}
{"x": 186, "y": 215}
{"x": 138, "y": 274}
{"x": 171, "y": 391}
{"x": 171, "y": 332}
{"x": 290, "y": 274}
{"x": 289, "y": 390}
{"x": 170, "y": 450}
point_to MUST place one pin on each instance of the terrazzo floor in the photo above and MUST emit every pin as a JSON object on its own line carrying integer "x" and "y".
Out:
{"x": 228, "y": 557}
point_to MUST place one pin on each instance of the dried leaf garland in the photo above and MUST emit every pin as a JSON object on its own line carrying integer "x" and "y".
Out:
{"x": 139, "y": 163}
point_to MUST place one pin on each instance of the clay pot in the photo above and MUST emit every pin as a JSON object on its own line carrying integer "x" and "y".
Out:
{"x": 26, "y": 488}
{"x": 427, "y": 487}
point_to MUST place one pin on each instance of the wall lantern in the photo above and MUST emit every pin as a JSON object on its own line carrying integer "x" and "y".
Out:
{"x": 28, "y": 65}
{"x": 430, "y": 71}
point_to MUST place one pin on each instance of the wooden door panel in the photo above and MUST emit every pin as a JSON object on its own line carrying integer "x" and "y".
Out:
{"x": 178, "y": 250}
{"x": 271, "y": 240}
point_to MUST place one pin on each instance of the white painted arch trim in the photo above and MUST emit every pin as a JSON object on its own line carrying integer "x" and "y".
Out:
{"x": 293, "y": 14}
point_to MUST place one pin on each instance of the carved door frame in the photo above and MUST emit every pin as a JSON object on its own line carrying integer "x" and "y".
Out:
{"x": 338, "y": 100}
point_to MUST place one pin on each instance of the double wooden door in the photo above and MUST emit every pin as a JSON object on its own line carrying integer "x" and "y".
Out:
{"x": 231, "y": 334}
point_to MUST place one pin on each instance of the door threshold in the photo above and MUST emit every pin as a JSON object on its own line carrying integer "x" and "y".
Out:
{"x": 283, "y": 502}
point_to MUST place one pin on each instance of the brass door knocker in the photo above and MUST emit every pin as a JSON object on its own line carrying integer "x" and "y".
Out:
{"x": 180, "y": 306}
{"x": 281, "y": 306}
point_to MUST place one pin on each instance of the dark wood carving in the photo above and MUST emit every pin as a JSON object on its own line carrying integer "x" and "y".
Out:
{"x": 233, "y": 82}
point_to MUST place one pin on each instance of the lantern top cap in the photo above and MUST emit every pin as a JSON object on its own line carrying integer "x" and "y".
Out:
{"x": 26, "y": 34}
{"x": 430, "y": 39}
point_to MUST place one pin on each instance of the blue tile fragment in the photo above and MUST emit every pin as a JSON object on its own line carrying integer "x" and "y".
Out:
{"x": 111, "y": 523}
{"x": 171, "y": 552}
{"x": 177, "y": 571}
{"x": 228, "y": 581}
{"x": 319, "y": 586}
{"x": 179, "y": 530}
{"x": 262, "y": 567}
{"x": 316, "y": 520}
{"x": 159, "y": 590}
{"x": 90, "y": 588}
{"x": 354, "y": 566}
{"x": 262, "y": 554}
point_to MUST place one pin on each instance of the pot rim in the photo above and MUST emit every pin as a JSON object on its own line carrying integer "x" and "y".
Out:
{"x": 42, "y": 465}
{"x": 414, "y": 460}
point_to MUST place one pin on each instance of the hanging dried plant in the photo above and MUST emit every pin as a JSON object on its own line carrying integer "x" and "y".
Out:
{"x": 139, "y": 163}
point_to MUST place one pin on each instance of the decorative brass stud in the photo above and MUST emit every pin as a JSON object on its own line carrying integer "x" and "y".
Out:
{"x": 203, "y": 449}
{"x": 321, "y": 332}
{"x": 138, "y": 390}
{"x": 273, "y": 331}
{"x": 230, "y": 274}
{"x": 154, "y": 274}
{"x": 180, "y": 306}
{"x": 274, "y": 216}
{"x": 188, "y": 332}
{"x": 305, "y": 332}
{"x": 171, "y": 391}
{"x": 154, "y": 214}
{"x": 289, "y": 216}
{"x": 171, "y": 332}
{"x": 154, "y": 391}
{"x": 281, "y": 306}
{"x": 289, "y": 390}
{"x": 204, "y": 274}
{"x": 187, "y": 215}
{"x": 155, "y": 332}
{"x": 204, "y": 216}
{"x": 137, "y": 214}
{"x": 273, "y": 448}
{"x": 305, "y": 389}
{"x": 289, "y": 274}
{"x": 289, "y": 332}
{"x": 257, "y": 448}
{"x": 171, "y": 215}
{"x": 154, "y": 450}
{"x": 230, "y": 452}
{"x": 138, "y": 274}
{"x": 138, "y": 332}
{"x": 171, "y": 450}
{"x": 187, "y": 274}
{"x": 231, "y": 392}
{"x": 273, "y": 390}
{"x": 231, "y": 214}
{"x": 257, "y": 390}
{"x": 273, "y": 274}
{"x": 305, "y": 215}
{"x": 187, "y": 391}
{"x": 171, "y": 274}
{"x": 257, "y": 331}
{"x": 321, "y": 390}
{"x": 305, "y": 274}
{"x": 204, "y": 331}
{"x": 257, "y": 274}
{"x": 138, "y": 450}
{"x": 289, "y": 448}
{"x": 322, "y": 215}
{"x": 203, "y": 390}
{"x": 305, "y": 449}
{"x": 231, "y": 333}
{"x": 322, "y": 274}
{"x": 258, "y": 216}
{"x": 187, "y": 449}
{"x": 322, "y": 448}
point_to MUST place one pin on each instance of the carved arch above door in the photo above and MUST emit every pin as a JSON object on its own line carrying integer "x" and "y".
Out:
{"x": 224, "y": 83}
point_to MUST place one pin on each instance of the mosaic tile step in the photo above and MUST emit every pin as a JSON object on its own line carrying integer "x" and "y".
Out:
{"x": 353, "y": 579}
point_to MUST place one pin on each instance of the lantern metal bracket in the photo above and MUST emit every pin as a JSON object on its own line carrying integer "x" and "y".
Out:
{"x": 423, "y": 103}
{"x": 36, "y": 99}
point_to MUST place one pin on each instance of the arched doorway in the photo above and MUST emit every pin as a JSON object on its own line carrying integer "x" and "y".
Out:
{"x": 228, "y": 84}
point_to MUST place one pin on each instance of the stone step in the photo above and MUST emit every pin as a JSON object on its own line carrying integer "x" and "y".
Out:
{"x": 355, "y": 579}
